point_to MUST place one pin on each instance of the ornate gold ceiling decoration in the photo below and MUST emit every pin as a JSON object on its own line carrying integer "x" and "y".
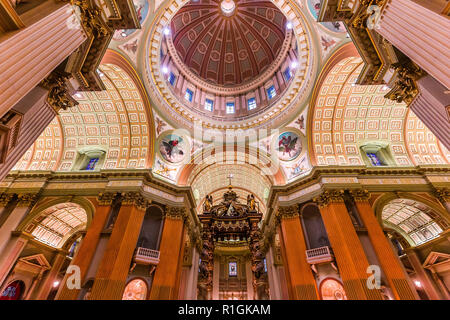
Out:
{"x": 114, "y": 121}
{"x": 346, "y": 115}
{"x": 294, "y": 96}
{"x": 228, "y": 49}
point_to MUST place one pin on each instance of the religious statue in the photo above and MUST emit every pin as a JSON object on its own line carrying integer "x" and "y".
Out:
{"x": 208, "y": 203}
{"x": 251, "y": 202}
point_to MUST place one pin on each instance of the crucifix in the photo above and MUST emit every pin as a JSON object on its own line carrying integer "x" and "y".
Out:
{"x": 230, "y": 176}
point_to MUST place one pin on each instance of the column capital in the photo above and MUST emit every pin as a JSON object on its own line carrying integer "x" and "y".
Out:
{"x": 136, "y": 199}
{"x": 5, "y": 198}
{"x": 175, "y": 213}
{"x": 360, "y": 194}
{"x": 105, "y": 199}
{"x": 27, "y": 199}
{"x": 288, "y": 212}
{"x": 329, "y": 196}
{"x": 443, "y": 194}
{"x": 405, "y": 88}
{"x": 58, "y": 95}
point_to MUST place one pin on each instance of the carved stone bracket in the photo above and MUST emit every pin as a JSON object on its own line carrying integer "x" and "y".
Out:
{"x": 329, "y": 196}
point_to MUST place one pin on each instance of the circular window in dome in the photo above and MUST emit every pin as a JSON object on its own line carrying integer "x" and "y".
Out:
{"x": 135, "y": 290}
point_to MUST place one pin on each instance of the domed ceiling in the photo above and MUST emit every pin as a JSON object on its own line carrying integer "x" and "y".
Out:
{"x": 228, "y": 42}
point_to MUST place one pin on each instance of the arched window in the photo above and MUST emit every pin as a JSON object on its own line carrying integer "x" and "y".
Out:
{"x": 316, "y": 235}
{"x": 13, "y": 291}
{"x": 136, "y": 289}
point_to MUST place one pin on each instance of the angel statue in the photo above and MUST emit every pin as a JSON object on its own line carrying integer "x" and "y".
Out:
{"x": 208, "y": 203}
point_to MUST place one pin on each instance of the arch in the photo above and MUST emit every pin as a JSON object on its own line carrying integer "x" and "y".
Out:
{"x": 55, "y": 222}
{"x": 136, "y": 289}
{"x": 117, "y": 122}
{"x": 415, "y": 218}
{"x": 345, "y": 117}
{"x": 315, "y": 233}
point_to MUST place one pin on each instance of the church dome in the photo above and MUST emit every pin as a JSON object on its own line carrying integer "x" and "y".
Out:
{"x": 228, "y": 42}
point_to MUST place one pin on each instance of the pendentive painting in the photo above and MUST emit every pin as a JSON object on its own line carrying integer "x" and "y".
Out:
{"x": 289, "y": 146}
{"x": 173, "y": 148}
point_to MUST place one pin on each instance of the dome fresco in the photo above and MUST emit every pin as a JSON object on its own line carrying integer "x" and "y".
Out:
{"x": 228, "y": 50}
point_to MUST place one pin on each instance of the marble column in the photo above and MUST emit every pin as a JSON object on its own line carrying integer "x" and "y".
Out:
{"x": 432, "y": 107}
{"x": 387, "y": 258}
{"x": 249, "y": 278}
{"x": 274, "y": 283}
{"x": 88, "y": 246}
{"x": 347, "y": 248}
{"x": 166, "y": 277}
{"x": 419, "y": 32}
{"x": 216, "y": 279}
{"x": 11, "y": 246}
{"x": 32, "y": 53}
{"x": 37, "y": 115}
{"x": 192, "y": 277}
{"x": 112, "y": 273}
{"x": 301, "y": 282}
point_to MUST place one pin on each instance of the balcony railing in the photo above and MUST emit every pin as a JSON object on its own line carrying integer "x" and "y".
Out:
{"x": 319, "y": 255}
{"x": 146, "y": 256}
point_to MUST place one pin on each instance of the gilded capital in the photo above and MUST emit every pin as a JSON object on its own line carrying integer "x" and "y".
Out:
{"x": 5, "y": 198}
{"x": 360, "y": 194}
{"x": 27, "y": 199}
{"x": 287, "y": 212}
{"x": 175, "y": 212}
{"x": 105, "y": 199}
{"x": 58, "y": 95}
{"x": 443, "y": 195}
{"x": 405, "y": 87}
{"x": 136, "y": 199}
{"x": 328, "y": 197}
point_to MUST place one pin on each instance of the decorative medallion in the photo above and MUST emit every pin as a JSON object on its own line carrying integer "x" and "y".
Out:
{"x": 288, "y": 146}
{"x": 173, "y": 148}
{"x": 314, "y": 8}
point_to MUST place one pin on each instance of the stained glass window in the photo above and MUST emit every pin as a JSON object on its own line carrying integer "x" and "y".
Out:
{"x": 209, "y": 104}
{"x": 189, "y": 95}
{"x": 287, "y": 74}
{"x": 271, "y": 92}
{"x": 232, "y": 269}
{"x": 374, "y": 160}
{"x": 230, "y": 107}
{"x": 172, "y": 78}
{"x": 91, "y": 164}
{"x": 251, "y": 103}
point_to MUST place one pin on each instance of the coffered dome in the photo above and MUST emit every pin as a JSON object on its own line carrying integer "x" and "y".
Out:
{"x": 228, "y": 42}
